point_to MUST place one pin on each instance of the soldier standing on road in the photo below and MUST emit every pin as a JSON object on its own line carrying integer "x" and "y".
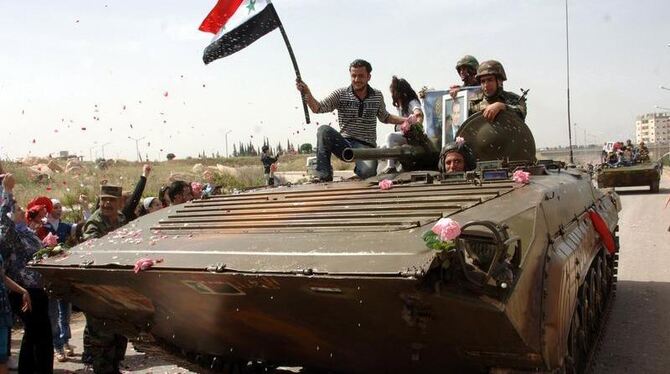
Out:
{"x": 104, "y": 348}
{"x": 493, "y": 99}
{"x": 358, "y": 108}
{"x": 268, "y": 162}
{"x": 466, "y": 68}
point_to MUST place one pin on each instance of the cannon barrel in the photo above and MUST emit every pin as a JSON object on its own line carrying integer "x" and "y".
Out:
{"x": 405, "y": 152}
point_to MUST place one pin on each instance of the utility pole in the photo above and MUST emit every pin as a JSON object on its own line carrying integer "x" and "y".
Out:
{"x": 137, "y": 147}
{"x": 103, "y": 150}
{"x": 90, "y": 152}
{"x": 567, "y": 57}
{"x": 227, "y": 132}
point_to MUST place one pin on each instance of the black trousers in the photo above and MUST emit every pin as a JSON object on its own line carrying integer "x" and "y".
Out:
{"x": 37, "y": 351}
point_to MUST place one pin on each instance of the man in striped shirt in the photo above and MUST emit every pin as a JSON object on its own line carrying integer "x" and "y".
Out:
{"x": 358, "y": 108}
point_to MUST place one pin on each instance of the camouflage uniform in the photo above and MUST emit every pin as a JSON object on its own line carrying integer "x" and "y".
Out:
{"x": 105, "y": 348}
{"x": 512, "y": 101}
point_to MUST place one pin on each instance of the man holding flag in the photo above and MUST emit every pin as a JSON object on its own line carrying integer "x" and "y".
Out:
{"x": 358, "y": 108}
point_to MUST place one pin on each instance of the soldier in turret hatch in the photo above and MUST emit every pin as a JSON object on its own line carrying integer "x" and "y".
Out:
{"x": 493, "y": 99}
{"x": 457, "y": 157}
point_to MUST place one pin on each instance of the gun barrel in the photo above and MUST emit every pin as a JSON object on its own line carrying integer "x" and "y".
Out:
{"x": 400, "y": 153}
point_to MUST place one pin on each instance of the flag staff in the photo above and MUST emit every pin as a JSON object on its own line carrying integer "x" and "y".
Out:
{"x": 295, "y": 67}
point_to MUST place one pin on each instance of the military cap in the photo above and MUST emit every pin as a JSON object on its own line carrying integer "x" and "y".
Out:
{"x": 491, "y": 67}
{"x": 110, "y": 191}
{"x": 469, "y": 61}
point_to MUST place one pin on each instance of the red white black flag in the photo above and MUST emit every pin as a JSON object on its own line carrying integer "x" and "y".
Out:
{"x": 237, "y": 23}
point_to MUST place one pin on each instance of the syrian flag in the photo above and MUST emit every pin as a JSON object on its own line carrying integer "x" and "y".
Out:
{"x": 237, "y": 23}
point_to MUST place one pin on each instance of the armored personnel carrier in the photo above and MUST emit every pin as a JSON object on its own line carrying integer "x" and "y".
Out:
{"x": 641, "y": 174}
{"x": 340, "y": 277}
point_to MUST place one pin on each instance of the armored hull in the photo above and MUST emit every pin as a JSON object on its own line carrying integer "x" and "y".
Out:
{"x": 644, "y": 174}
{"x": 338, "y": 276}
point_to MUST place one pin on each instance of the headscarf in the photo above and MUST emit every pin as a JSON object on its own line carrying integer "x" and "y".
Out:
{"x": 146, "y": 203}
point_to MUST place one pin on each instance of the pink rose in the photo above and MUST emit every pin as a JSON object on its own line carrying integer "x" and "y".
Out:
{"x": 447, "y": 229}
{"x": 196, "y": 188}
{"x": 145, "y": 264}
{"x": 521, "y": 176}
{"x": 459, "y": 141}
{"x": 50, "y": 240}
{"x": 412, "y": 119}
{"x": 386, "y": 184}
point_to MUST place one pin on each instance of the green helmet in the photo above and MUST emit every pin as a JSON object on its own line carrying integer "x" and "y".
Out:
{"x": 465, "y": 151}
{"x": 492, "y": 67}
{"x": 468, "y": 61}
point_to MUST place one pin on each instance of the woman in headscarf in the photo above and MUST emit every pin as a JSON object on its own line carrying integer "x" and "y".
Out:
{"x": 149, "y": 205}
{"x": 36, "y": 213}
{"x": 20, "y": 243}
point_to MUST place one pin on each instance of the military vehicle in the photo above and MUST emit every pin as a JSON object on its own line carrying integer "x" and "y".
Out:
{"x": 340, "y": 277}
{"x": 641, "y": 174}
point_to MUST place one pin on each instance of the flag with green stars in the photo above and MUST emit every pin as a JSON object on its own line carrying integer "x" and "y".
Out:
{"x": 236, "y": 24}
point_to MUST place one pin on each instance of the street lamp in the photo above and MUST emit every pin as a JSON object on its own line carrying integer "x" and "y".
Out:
{"x": 103, "y": 149}
{"x": 662, "y": 108}
{"x": 90, "y": 151}
{"x": 664, "y": 88}
{"x": 137, "y": 146}
{"x": 227, "y": 132}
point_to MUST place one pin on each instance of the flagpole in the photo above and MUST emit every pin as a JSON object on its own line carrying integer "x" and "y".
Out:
{"x": 295, "y": 67}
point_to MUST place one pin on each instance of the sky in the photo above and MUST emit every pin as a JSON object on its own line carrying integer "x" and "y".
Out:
{"x": 86, "y": 76}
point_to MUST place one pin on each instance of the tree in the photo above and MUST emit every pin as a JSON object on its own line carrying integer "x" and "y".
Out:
{"x": 170, "y": 156}
{"x": 235, "y": 150}
{"x": 306, "y": 148}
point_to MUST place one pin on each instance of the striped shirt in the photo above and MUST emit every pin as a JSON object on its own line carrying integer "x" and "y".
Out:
{"x": 358, "y": 118}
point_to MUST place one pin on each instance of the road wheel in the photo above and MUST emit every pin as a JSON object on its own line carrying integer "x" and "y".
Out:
{"x": 574, "y": 362}
{"x": 592, "y": 311}
{"x": 584, "y": 314}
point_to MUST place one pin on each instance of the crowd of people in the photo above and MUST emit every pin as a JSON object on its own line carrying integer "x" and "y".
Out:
{"x": 359, "y": 106}
{"x": 46, "y": 319}
{"x": 624, "y": 154}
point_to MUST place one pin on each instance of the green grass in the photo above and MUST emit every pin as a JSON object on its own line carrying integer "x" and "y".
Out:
{"x": 68, "y": 187}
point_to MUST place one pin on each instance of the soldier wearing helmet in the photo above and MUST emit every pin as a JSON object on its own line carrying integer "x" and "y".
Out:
{"x": 493, "y": 99}
{"x": 466, "y": 67}
{"x": 456, "y": 157}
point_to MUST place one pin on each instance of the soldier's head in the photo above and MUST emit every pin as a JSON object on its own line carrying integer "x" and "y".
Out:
{"x": 110, "y": 201}
{"x": 491, "y": 76}
{"x": 457, "y": 157}
{"x": 360, "y": 72}
{"x": 265, "y": 149}
{"x": 180, "y": 192}
{"x": 466, "y": 67}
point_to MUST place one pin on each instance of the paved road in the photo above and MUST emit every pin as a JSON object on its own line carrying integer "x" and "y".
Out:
{"x": 638, "y": 334}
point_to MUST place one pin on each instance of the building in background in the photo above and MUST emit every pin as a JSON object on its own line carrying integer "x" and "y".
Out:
{"x": 653, "y": 128}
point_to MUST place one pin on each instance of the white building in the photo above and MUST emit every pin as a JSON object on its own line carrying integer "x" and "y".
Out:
{"x": 653, "y": 128}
